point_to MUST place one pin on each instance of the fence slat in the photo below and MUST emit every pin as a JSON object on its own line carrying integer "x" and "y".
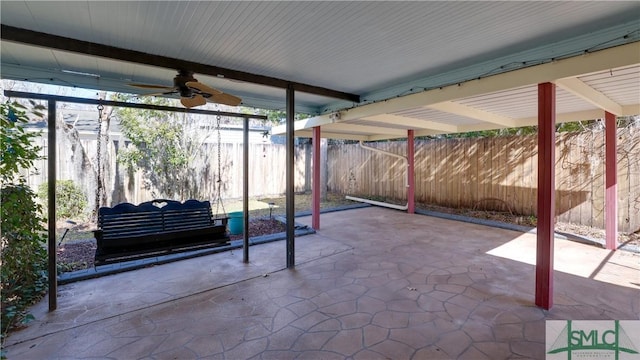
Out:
{"x": 465, "y": 172}
{"x": 448, "y": 172}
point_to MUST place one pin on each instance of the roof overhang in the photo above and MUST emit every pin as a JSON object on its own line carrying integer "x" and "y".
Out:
{"x": 343, "y": 58}
{"x": 587, "y": 86}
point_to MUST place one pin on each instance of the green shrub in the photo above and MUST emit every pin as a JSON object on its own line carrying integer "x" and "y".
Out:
{"x": 71, "y": 202}
{"x": 17, "y": 149}
{"x": 24, "y": 256}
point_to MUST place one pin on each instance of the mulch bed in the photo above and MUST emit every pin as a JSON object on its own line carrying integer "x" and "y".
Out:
{"x": 79, "y": 254}
{"x": 259, "y": 227}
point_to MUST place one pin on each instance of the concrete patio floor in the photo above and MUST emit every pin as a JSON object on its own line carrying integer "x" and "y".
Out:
{"x": 371, "y": 284}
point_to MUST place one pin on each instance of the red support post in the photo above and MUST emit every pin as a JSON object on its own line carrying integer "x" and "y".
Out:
{"x": 315, "y": 182}
{"x": 546, "y": 194}
{"x": 411, "y": 173}
{"x": 611, "y": 191}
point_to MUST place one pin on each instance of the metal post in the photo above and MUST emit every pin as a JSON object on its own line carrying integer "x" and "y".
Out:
{"x": 546, "y": 194}
{"x": 290, "y": 158}
{"x": 315, "y": 183}
{"x": 411, "y": 190}
{"x": 611, "y": 185}
{"x": 245, "y": 190}
{"x": 51, "y": 175}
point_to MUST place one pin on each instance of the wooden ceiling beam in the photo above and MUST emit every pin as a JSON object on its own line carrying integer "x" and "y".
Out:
{"x": 473, "y": 113}
{"x": 29, "y": 37}
{"x": 363, "y": 129}
{"x": 411, "y": 123}
{"x": 566, "y": 117}
{"x": 581, "y": 89}
{"x": 331, "y": 135}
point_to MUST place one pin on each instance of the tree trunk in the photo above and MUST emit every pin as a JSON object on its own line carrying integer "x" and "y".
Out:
{"x": 83, "y": 172}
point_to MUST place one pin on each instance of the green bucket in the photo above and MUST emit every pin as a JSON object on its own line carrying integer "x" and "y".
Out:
{"x": 236, "y": 222}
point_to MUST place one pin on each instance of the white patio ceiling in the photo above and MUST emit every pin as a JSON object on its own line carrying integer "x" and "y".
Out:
{"x": 403, "y": 59}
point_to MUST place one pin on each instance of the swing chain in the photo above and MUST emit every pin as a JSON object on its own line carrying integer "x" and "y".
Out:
{"x": 100, "y": 108}
{"x": 219, "y": 180}
{"x": 219, "y": 147}
{"x": 98, "y": 157}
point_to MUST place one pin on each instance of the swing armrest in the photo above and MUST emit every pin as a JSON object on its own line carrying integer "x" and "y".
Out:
{"x": 222, "y": 219}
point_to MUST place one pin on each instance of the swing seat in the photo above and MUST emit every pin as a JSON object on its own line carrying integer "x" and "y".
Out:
{"x": 128, "y": 232}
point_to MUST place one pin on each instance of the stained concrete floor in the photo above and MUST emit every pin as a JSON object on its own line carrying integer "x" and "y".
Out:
{"x": 371, "y": 284}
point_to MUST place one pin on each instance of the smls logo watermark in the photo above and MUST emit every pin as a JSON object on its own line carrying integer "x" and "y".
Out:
{"x": 593, "y": 339}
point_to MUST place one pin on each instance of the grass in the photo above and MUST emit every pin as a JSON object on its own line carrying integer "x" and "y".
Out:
{"x": 259, "y": 207}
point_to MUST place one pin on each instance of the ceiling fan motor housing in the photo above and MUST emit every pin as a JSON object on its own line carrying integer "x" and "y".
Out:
{"x": 180, "y": 82}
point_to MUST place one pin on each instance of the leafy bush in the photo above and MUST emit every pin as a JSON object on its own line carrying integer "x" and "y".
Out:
{"x": 71, "y": 201}
{"x": 24, "y": 256}
{"x": 17, "y": 150}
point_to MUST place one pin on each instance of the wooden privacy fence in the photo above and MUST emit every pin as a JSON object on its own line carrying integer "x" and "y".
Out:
{"x": 266, "y": 171}
{"x": 497, "y": 174}
{"x": 483, "y": 173}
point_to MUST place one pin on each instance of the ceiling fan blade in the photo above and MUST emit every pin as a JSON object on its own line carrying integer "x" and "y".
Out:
{"x": 196, "y": 100}
{"x": 202, "y": 87}
{"x": 225, "y": 99}
{"x": 150, "y": 86}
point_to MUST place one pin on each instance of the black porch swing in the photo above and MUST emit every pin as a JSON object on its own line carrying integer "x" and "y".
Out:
{"x": 130, "y": 232}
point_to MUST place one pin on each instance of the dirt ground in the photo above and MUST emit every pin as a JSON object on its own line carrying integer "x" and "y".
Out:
{"x": 587, "y": 231}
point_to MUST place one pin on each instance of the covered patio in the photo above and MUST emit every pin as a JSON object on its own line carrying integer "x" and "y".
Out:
{"x": 365, "y": 71}
{"x": 373, "y": 283}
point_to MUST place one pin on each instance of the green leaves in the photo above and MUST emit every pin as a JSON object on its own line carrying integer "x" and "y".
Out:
{"x": 17, "y": 148}
{"x": 157, "y": 145}
{"x": 71, "y": 202}
{"x": 23, "y": 273}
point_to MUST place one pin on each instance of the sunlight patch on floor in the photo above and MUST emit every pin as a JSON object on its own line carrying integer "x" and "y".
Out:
{"x": 587, "y": 261}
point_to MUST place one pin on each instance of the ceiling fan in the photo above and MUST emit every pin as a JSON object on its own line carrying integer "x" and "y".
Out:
{"x": 192, "y": 93}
